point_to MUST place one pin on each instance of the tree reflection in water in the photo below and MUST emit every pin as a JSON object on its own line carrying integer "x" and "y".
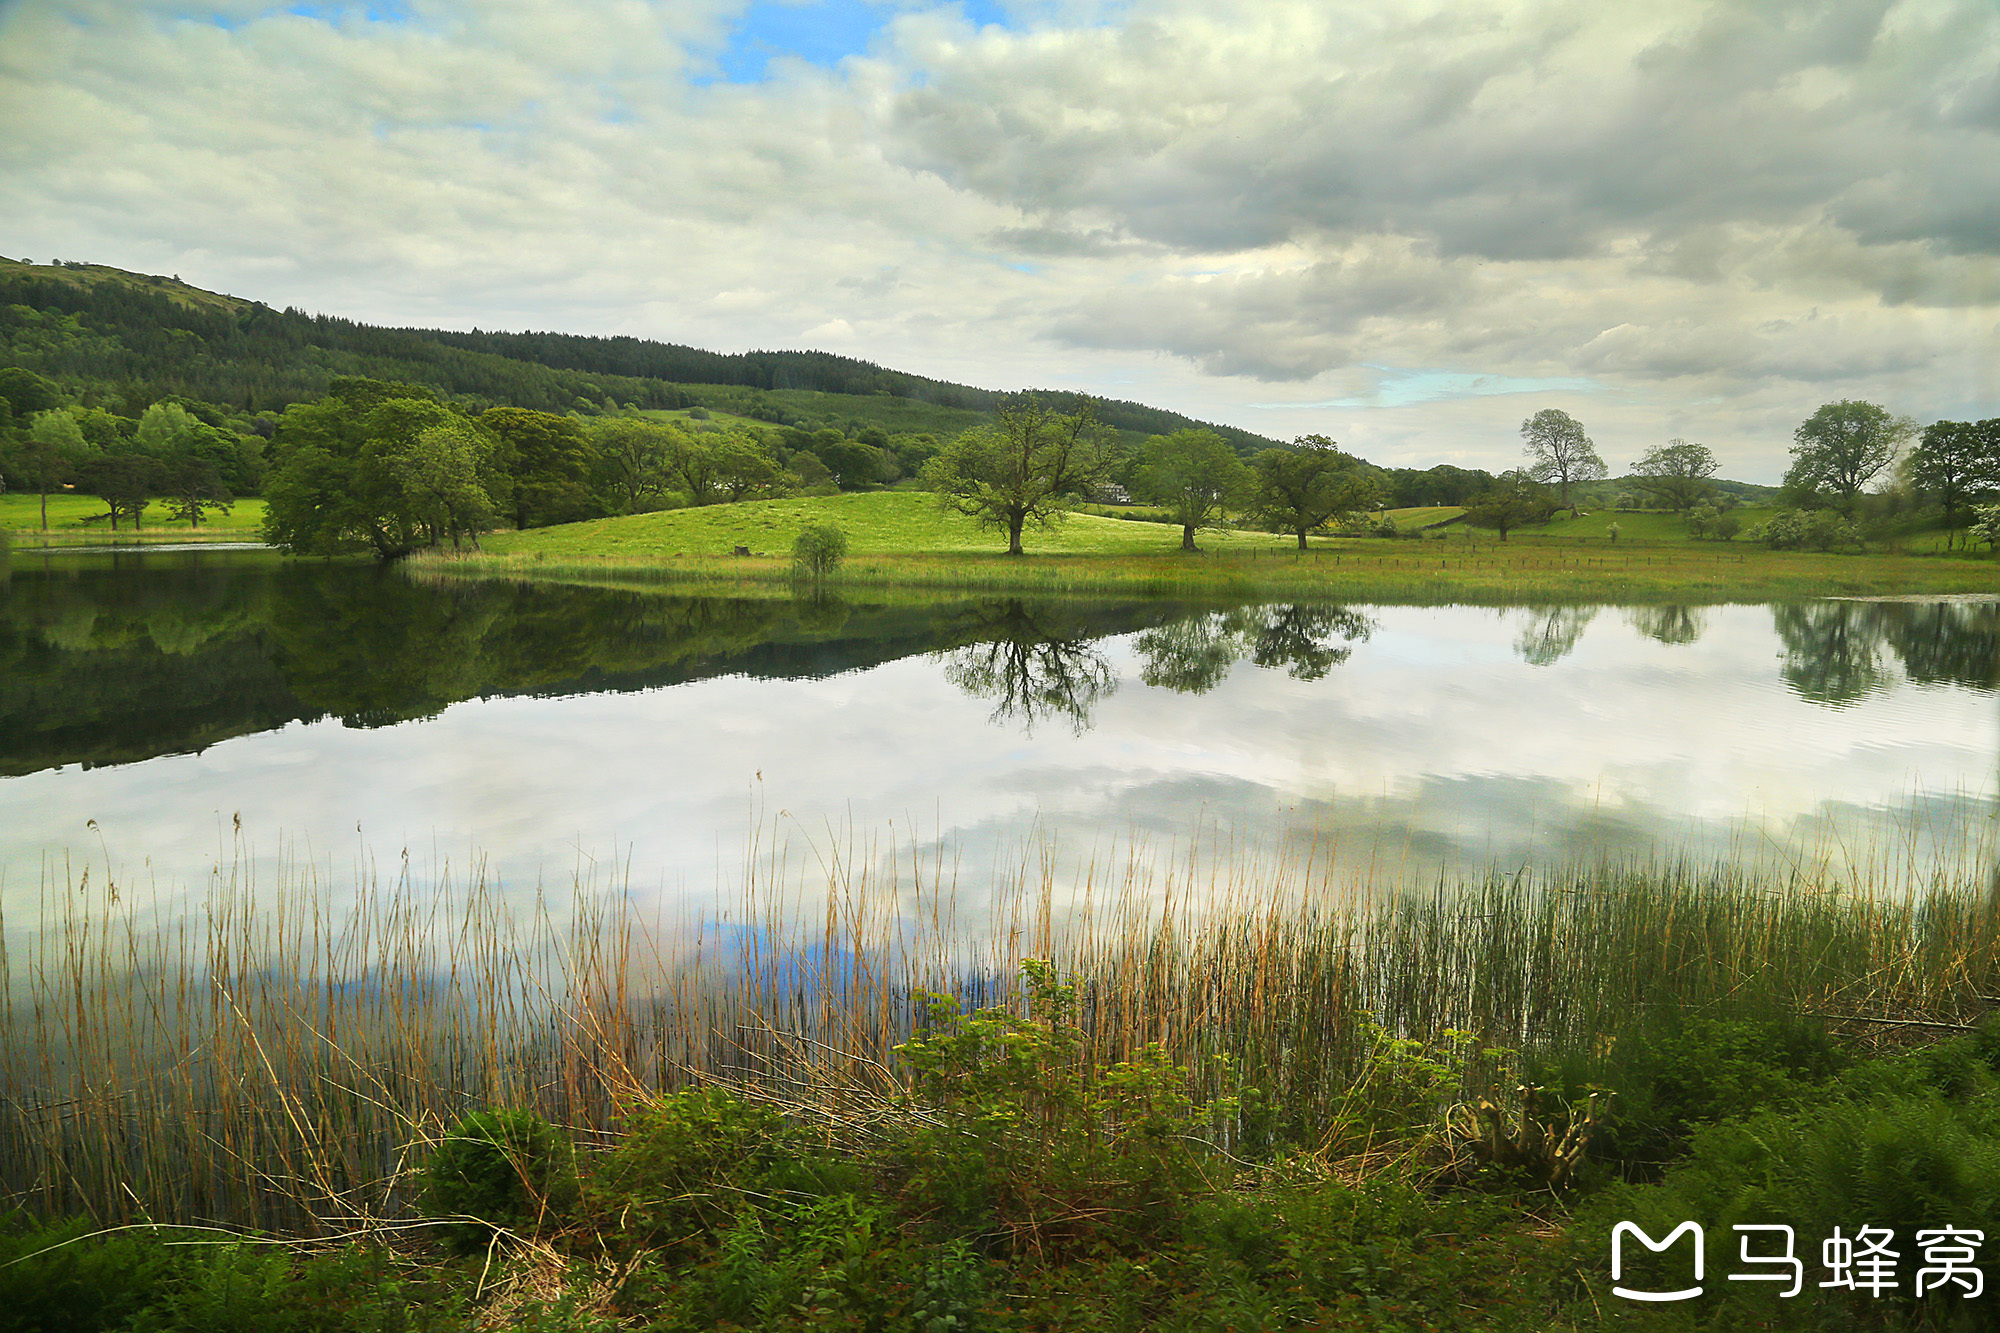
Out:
{"x": 1552, "y": 632}
{"x": 1837, "y": 653}
{"x": 1036, "y": 662}
{"x": 1669, "y": 624}
{"x": 1192, "y": 655}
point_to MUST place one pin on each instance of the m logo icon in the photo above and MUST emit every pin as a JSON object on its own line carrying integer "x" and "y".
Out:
{"x": 1618, "y": 1234}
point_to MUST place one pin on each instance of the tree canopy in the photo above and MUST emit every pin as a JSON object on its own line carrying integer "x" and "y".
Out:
{"x": 1301, "y": 489}
{"x": 1676, "y": 473}
{"x": 1840, "y": 449}
{"x": 381, "y": 467}
{"x": 1194, "y": 475}
{"x": 1558, "y": 451}
{"x": 1956, "y": 461}
{"x": 1030, "y": 466}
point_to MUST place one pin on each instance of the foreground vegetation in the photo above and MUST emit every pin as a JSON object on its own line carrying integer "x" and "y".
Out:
{"x": 1250, "y": 1109}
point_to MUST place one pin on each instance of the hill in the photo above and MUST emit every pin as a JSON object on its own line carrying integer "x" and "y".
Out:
{"x": 123, "y": 340}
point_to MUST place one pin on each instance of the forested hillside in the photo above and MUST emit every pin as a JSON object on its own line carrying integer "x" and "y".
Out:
{"x": 123, "y": 340}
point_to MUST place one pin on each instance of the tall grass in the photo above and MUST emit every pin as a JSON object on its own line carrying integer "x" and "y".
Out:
{"x": 1424, "y": 572}
{"x": 278, "y": 1056}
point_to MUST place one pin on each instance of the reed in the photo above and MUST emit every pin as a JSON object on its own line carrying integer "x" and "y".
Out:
{"x": 277, "y": 1056}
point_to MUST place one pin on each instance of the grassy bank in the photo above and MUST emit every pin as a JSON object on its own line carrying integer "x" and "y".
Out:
{"x": 905, "y": 541}
{"x": 77, "y": 520}
{"x": 1242, "y": 1108}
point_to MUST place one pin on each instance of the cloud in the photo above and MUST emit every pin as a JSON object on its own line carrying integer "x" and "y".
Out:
{"x": 1729, "y": 209}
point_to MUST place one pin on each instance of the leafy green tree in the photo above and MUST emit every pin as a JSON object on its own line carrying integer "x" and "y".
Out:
{"x": 1840, "y": 449}
{"x": 192, "y": 486}
{"x": 126, "y": 482}
{"x": 1558, "y": 451}
{"x": 1515, "y": 498}
{"x": 1956, "y": 461}
{"x": 743, "y": 467}
{"x": 48, "y": 453}
{"x": 853, "y": 463}
{"x": 634, "y": 460}
{"x": 1195, "y": 476}
{"x": 1676, "y": 474}
{"x": 337, "y": 484}
{"x": 1299, "y": 490}
{"x": 440, "y": 474}
{"x": 28, "y": 393}
{"x": 550, "y": 460}
{"x": 692, "y": 460}
{"x": 1030, "y": 466}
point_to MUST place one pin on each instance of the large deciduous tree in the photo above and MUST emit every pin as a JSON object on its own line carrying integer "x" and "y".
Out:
{"x": 634, "y": 458}
{"x": 550, "y": 460}
{"x": 1676, "y": 474}
{"x": 1030, "y": 466}
{"x": 440, "y": 472}
{"x": 340, "y": 481}
{"x": 1956, "y": 461}
{"x": 1299, "y": 490}
{"x": 1558, "y": 451}
{"x": 48, "y": 453}
{"x": 1195, "y": 476}
{"x": 1840, "y": 449}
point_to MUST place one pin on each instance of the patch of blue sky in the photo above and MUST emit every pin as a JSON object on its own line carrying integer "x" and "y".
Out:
{"x": 1396, "y": 387}
{"x": 381, "y": 11}
{"x": 819, "y": 32}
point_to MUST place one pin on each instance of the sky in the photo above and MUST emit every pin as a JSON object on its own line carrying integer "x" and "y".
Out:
{"x": 1405, "y": 224}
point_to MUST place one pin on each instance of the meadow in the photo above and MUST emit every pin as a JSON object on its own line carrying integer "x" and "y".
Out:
{"x": 80, "y": 518}
{"x": 904, "y": 540}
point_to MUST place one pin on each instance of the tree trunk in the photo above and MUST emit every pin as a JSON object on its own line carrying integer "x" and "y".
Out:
{"x": 1302, "y": 539}
{"x": 1014, "y": 535}
{"x": 1187, "y": 538}
{"x": 45, "y": 513}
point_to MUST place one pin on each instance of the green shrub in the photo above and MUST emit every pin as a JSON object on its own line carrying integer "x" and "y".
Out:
{"x": 507, "y": 1169}
{"x": 690, "y": 1164}
{"x": 818, "y": 550}
{"x": 52, "y": 1277}
{"x": 1014, "y": 1136}
{"x": 1677, "y": 1073}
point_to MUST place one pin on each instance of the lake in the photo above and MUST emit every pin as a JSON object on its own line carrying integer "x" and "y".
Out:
{"x": 167, "y": 715}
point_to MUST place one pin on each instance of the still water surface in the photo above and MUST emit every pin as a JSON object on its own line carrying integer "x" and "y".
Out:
{"x": 345, "y": 715}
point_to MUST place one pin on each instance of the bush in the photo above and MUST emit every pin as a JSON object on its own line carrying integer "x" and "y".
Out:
{"x": 1016, "y": 1136}
{"x": 818, "y": 551}
{"x": 688, "y": 1166}
{"x": 506, "y": 1169}
{"x": 1820, "y": 530}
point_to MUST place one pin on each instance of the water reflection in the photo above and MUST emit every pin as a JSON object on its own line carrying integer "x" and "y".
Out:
{"x": 542, "y": 723}
{"x": 1551, "y": 633}
{"x": 1671, "y": 625}
{"x": 1193, "y": 654}
{"x": 1836, "y": 653}
{"x": 1037, "y": 662}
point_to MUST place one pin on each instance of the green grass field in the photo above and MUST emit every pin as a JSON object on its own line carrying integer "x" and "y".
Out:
{"x": 904, "y": 540}
{"x": 70, "y": 515}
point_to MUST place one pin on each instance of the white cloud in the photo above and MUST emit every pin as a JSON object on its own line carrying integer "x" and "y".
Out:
{"x": 1724, "y": 212}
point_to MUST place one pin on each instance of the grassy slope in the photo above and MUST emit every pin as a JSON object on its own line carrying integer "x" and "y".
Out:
{"x": 901, "y": 539}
